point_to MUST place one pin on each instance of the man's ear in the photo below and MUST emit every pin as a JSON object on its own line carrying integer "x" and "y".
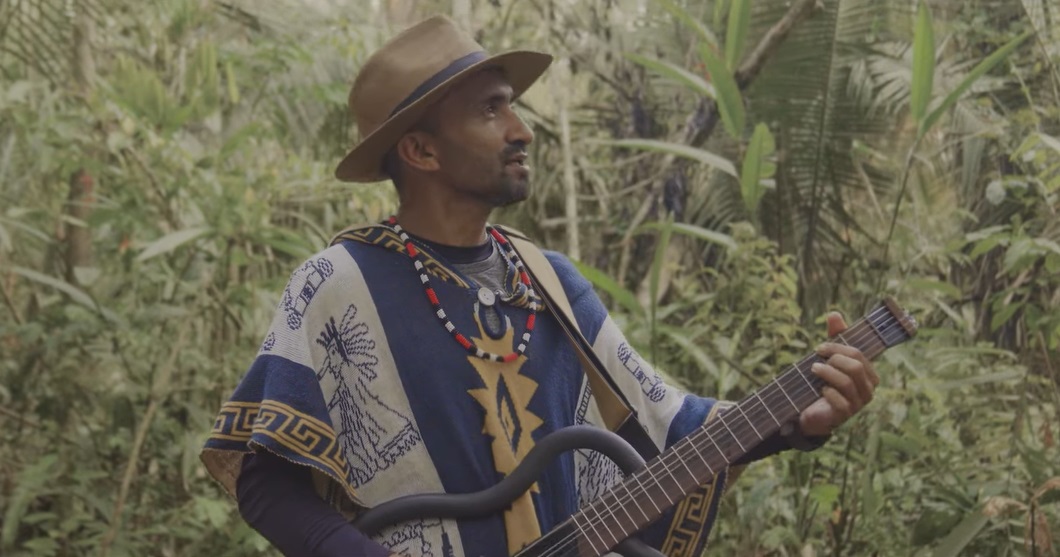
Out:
{"x": 418, "y": 150}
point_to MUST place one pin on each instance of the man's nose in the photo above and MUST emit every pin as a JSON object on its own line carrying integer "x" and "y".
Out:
{"x": 518, "y": 131}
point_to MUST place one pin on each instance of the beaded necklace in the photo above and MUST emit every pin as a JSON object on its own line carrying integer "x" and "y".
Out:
{"x": 432, "y": 296}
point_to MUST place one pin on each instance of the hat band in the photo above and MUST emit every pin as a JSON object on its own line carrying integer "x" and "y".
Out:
{"x": 457, "y": 66}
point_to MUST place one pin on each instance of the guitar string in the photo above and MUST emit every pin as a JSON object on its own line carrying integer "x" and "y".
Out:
{"x": 754, "y": 405}
{"x": 888, "y": 339}
{"x": 863, "y": 330}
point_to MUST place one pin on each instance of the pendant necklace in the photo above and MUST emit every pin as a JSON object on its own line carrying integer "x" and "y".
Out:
{"x": 485, "y": 296}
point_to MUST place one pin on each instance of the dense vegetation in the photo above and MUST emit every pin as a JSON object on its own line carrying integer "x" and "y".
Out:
{"x": 726, "y": 171}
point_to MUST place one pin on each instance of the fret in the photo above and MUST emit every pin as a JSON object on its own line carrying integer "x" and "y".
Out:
{"x": 586, "y": 537}
{"x": 766, "y": 406}
{"x": 876, "y": 329}
{"x": 802, "y": 375}
{"x": 659, "y": 484}
{"x": 892, "y": 333}
{"x": 618, "y": 499}
{"x": 614, "y": 539}
{"x": 701, "y": 457}
{"x": 734, "y": 437}
{"x": 636, "y": 478}
{"x": 874, "y": 326}
{"x": 839, "y": 339}
{"x": 785, "y": 393}
{"x": 636, "y": 502}
{"x": 751, "y": 423}
{"x": 593, "y": 522}
{"x": 676, "y": 483}
{"x": 666, "y": 466}
{"x": 691, "y": 474}
{"x": 721, "y": 452}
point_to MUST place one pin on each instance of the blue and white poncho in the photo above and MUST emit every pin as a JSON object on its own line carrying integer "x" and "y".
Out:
{"x": 357, "y": 380}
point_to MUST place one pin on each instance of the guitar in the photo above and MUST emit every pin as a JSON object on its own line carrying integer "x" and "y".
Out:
{"x": 648, "y": 490}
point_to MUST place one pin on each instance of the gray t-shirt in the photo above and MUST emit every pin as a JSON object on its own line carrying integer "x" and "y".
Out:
{"x": 489, "y": 272}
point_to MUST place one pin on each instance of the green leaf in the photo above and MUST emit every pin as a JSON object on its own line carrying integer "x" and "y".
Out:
{"x": 736, "y": 32}
{"x": 15, "y": 223}
{"x": 691, "y": 22}
{"x": 825, "y": 495}
{"x": 961, "y": 535}
{"x": 679, "y": 335}
{"x": 1047, "y": 245}
{"x": 930, "y": 284}
{"x": 905, "y": 444}
{"x": 31, "y": 482}
{"x": 87, "y": 275}
{"x": 729, "y": 99}
{"x": 1020, "y": 254}
{"x": 75, "y": 293}
{"x": 756, "y": 167}
{"x": 985, "y": 66}
{"x": 719, "y": 11}
{"x": 215, "y": 512}
{"x": 656, "y": 270}
{"x": 678, "y": 150}
{"x": 694, "y": 231}
{"x": 171, "y": 241}
{"x": 923, "y": 63}
{"x": 1010, "y": 376}
{"x": 601, "y": 280}
{"x": 677, "y": 73}
{"x": 1004, "y": 314}
{"x": 1050, "y": 141}
{"x": 230, "y": 81}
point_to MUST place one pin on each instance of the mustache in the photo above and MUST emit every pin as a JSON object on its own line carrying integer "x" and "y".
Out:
{"x": 513, "y": 149}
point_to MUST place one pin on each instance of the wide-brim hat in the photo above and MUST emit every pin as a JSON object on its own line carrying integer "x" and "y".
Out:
{"x": 401, "y": 80}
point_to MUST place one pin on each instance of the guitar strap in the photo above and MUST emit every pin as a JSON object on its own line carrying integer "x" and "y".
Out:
{"x": 617, "y": 413}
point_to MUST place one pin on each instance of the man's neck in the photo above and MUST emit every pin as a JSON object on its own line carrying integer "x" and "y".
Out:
{"x": 452, "y": 224}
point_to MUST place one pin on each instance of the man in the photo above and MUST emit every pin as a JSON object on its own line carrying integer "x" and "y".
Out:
{"x": 416, "y": 356}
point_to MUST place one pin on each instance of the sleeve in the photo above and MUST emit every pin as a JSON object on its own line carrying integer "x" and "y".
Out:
{"x": 276, "y": 497}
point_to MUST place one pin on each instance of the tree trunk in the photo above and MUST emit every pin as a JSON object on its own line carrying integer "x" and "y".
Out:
{"x": 560, "y": 75}
{"x": 77, "y": 235}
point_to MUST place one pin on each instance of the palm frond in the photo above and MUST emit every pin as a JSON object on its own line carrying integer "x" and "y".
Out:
{"x": 304, "y": 94}
{"x": 38, "y": 37}
{"x": 806, "y": 94}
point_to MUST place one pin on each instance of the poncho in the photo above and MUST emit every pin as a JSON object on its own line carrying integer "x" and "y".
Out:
{"x": 357, "y": 380}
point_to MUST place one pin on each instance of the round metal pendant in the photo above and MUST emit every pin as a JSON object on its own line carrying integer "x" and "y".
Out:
{"x": 487, "y": 297}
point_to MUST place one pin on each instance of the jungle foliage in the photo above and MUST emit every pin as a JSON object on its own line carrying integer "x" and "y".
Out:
{"x": 725, "y": 171}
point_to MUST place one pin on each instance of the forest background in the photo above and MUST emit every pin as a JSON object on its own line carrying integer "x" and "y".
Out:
{"x": 725, "y": 171}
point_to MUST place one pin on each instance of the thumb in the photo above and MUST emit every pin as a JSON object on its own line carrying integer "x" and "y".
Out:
{"x": 836, "y": 324}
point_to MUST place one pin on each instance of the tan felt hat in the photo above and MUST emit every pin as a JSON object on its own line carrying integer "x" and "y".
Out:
{"x": 409, "y": 73}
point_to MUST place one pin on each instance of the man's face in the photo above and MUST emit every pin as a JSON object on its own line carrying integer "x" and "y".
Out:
{"x": 481, "y": 142}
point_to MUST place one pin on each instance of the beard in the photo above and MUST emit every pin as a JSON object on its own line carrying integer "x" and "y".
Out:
{"x": 491, "y": 179}
{"x": 510, "y": 189}
{"x": 513, "y": 183}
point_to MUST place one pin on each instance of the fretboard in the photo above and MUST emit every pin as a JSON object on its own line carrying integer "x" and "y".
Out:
{"x": 645, "y": 495}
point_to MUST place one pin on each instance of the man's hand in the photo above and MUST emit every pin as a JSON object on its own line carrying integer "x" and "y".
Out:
{"x": 851, "y": 382}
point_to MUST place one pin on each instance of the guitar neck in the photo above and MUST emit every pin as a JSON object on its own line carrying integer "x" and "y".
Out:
{"x": 644, "y": 496}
